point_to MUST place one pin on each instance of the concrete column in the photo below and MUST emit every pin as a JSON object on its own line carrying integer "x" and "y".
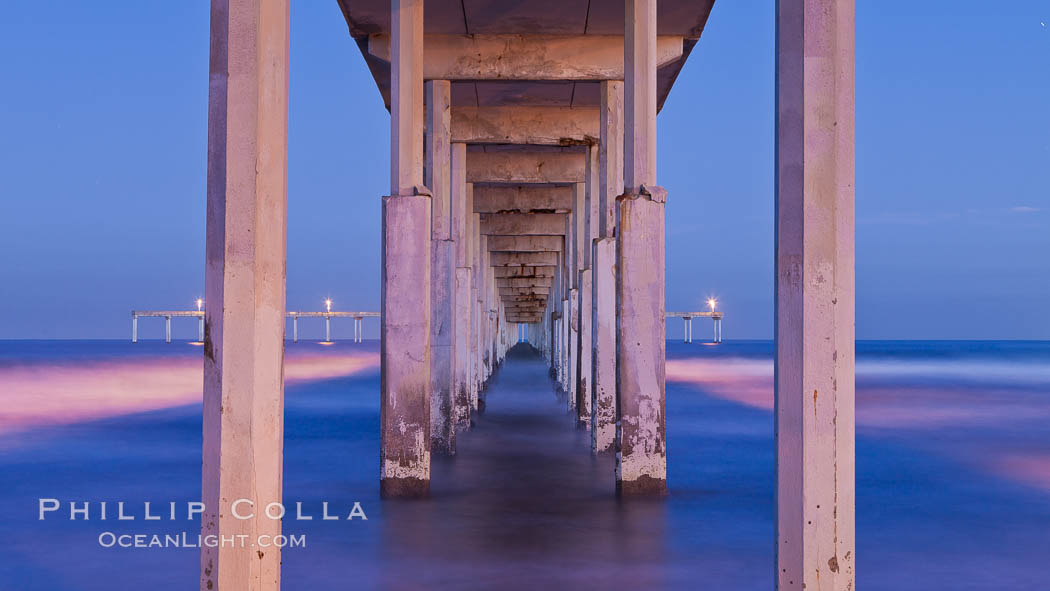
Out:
{"x": 603, "y": 265}
{"x": 583, "y": 370}
{"x": 589, "y": 231}
{"x": 167, "y": 329}
{"x": 200, "y": 329}
{"x": 134, "y": 328}
{"x": 489, "y": 306}
{"x": 442, "y": 267}
{"x": 603, "y": 326}
{"x": 814, "y": 288}
{"x": 463, "y": 351}
{"x": 462, "y": 216}
{"x": 243, "y": 408}
{"x": 405, "y": 340}
{"x": 295, "y": 329}
{"x": 641, "y": 466}
{"x": 328, "y": 329}
{"x": 573, "y": 345}
{"x": 475, "y": 313}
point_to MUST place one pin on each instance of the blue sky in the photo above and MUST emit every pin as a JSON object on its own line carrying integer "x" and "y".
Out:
{"x": 103, "y": 152}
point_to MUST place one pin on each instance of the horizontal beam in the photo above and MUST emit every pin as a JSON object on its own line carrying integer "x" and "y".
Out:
{"x": 522, "y": 199}
{"x": 511, "y": 300}
{"x": 501, "y": 272}
{"x": 524, "y": 281}
{"x": 526, "y": 57}
{"x": 523, "y": 224}
{"x": 523, "y": 291}
{"x": 693, "y": 314}
{"x": 527, "y": 259}
{"x": 526, "y": 167}
{"x": 525, "y": 243}
{"x": 544, "y": 126}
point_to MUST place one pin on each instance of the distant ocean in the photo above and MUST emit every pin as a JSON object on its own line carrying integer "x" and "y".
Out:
{"x": 953, "y": 473}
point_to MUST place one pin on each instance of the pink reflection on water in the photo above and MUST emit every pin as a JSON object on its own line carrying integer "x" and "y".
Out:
{"x": 62, "y": 393}
{"x": 1031, "y": 469}
{"x": 981, "y": 417}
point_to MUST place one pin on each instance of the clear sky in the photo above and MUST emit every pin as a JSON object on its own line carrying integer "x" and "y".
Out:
{"x": 103, "y": 149}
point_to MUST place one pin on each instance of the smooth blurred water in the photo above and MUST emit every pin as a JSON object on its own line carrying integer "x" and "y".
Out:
{"x": 953, "y": 479}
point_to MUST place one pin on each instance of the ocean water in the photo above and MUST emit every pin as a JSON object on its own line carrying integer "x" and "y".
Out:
{"x": 953, "y": 473}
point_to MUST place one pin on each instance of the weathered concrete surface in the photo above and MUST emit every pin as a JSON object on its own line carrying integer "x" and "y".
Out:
{"x": 525, "y": 167}
{"x": 557, "y": 126}
{"x": 814, "y": 360}
{"x": 405, "y": 347}
{"x": 406, "y": 104}
{"x": 640, "y": 96}
{"x": 522, "y": 271}
{"x": 523, "y": 199}
{"x": 405, "y": 328}
{"x": 641, "y": 462}
{"x": 603, "y": 269}
{"x": 583, "y": 346}
{"x": 525, "y": 243}
{"x": 442, "y": 352}
{"x": 610, "y": 156}
{"x": 526, "y": 259}
{"x": 438, "y": 173}
{"x": 243, "y": 410}
{"x": 438, "y": 179}
{"x": 524, "y": 282}
{"x": 603, "y": 356}
{"x": 525, "y": 57}
{"x": 523, "y": 290}
{"x": 461, "y": 204}
{"x": 523, "y": 224}
{"x": 462, "y": 224}
{"x": 461, "y": 378}
{"x": 476, "y": 316}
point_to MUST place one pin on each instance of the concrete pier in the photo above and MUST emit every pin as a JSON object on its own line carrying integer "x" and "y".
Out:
{"x": 243, "y": 423}
{"x": 524, "y": 192}
{"x": 814, "y": 288}
{"x": 687, "y": 322}
{"x": 641, "y": 453}
{"x": 405, "y": 348}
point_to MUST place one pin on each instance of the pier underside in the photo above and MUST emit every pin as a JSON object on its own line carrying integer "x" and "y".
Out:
{"x": 524, "y": 204}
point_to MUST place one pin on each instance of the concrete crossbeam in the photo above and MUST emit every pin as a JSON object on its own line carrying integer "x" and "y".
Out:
{"x": 524, "y": 282}
{"x": 523, "y": 271}
{"x": 524, "y": 290}
{"x": 525, "y": 259}
{"x": 557, "y": 126}
{"x": 525, "y": 57}
{"x": 523, "y": 224}
{"x": 522, "y": 199}
{"x": 526, "y": 167}
{"x": 524, "y": 244}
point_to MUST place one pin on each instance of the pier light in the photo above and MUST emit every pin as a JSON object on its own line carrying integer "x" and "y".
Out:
{"x": 328, "y": 304}
{"x": 200, "y": 302}
{"x": 711, "y": 303}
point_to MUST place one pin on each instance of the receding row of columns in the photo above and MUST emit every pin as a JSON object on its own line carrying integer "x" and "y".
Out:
{"x": 445, "y": 311}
